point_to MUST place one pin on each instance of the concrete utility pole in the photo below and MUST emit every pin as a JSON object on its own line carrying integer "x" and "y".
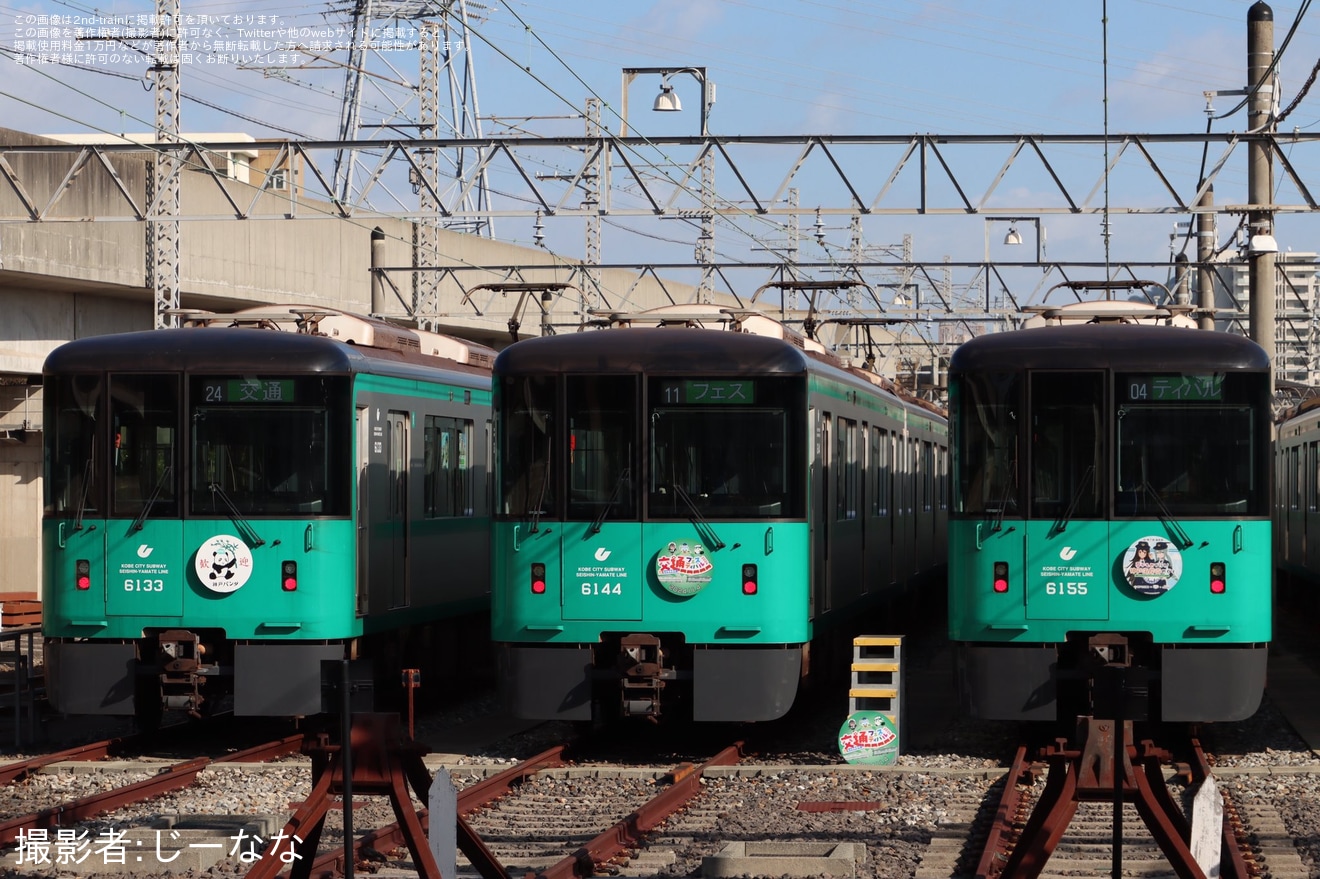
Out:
{"x": 1205, "y": 251}
{"x": 1261, "y": 247}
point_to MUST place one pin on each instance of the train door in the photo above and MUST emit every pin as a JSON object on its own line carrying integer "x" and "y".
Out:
{"x": 1294, "y": 507}
{"x": 880, "y": 536}
{"x": 362, "y": 426}
{"x": 1066, "y": 468}
{"x": 845, "y": 554}
{"x": 1311, "y": 478}
{"x": 923, "y": 504}
{"x": 821, "y": 514}
{"x": 905, "y": 533}
{"x": 397, "y": 516}
{"x": 385, "y": 521}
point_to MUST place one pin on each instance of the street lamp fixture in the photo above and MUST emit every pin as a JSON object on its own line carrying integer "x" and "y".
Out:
{"x": 1014, "y": 237}
{"x": 1261, "y": 241}
{"x": 667, "y": 101}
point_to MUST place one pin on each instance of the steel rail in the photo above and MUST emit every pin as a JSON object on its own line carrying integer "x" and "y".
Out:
{"x": 1008, "y": 819}
{"x": 22, "y": 769}
{"x": 1232, "y": 847}
{"x": 330, "y": 864}
{"x": 172, "y": 778}
{"x": 684, "y": 786}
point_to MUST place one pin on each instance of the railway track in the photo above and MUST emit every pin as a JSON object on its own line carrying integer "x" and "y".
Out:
{"x": 522, "y": 821}
{"x": 170, "y": 777}
{"x": 1109, "y": 805}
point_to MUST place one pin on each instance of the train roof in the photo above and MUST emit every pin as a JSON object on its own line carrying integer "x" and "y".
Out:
{"x": 676, "y": 350}
{"x": 652, "y": 350}
{"x": 1109, "y": 346}
{"x": 231, "y": 350}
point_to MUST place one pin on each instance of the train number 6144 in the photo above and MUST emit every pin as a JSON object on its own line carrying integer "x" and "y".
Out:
{"x": 1068, "y": 588}
{"x": 602, "y": 588}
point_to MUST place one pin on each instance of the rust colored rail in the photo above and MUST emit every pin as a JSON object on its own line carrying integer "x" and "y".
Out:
{"x": 1232, "y": 857}
{"x": 1106, "y": 765}
{"x": 21, "y": 769}
{"x": 627, "y": 833}
{"x": 392, "y": 836}
{"x": 1008, "y": 818}
{"x": 172, "y": 778}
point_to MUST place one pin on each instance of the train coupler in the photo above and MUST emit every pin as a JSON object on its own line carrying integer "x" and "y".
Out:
{"x": 182, "y": 672}
{"x": 641, "y": 662}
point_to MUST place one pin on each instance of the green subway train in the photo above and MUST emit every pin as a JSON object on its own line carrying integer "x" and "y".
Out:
{"x": 1110, "y": 540}
{"x": 686, "y": 502}
{"x": 232, "y": 504}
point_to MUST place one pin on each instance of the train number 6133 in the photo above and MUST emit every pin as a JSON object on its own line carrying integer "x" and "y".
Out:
{"x": 133, "y": 585}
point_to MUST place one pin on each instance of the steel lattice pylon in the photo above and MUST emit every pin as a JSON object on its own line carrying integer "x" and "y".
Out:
{"x": 163, "y": 233}
{"x": 445, "y": 55}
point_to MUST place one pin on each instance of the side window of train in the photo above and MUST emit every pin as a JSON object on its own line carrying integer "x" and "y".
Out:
{"x": 927, "y": 476}
{"x": 448, "y": 487}
{"x": 879, "y": 497}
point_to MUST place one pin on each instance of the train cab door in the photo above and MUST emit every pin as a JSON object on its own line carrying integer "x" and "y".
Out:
{"x": 383, "y": 510}
{"x": 1065, "y": 463}
{"x": 822, "y": 511}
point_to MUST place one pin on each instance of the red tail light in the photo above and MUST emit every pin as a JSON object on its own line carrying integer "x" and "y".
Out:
{"x": 749, "y": 586}
{"x": 538, "y": 578}
{"x": 82, "y": 574}
{"x": 1218, "y": 585}
{"x": 1001, "y": 577}
{"x": 289, "y": 575}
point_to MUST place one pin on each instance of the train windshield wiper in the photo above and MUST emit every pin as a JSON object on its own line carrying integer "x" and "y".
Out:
{"x": 1061, "y": 524}
{"x": 152, "y": 498}
{"x": 699, "y": 522}
{"x": 1175, "y": 530}
{"x": 1010, "y": 486}
{"x": 624, "y": 476}
{"x": 243, "y": 524}
{"x": 540, "y": 495}
{"x": 89, "y": 471}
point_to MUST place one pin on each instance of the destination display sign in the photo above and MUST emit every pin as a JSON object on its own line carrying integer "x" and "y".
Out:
{"x": 248, "y": 390}
{"x": 708, "y": 392}
{"x": 1175, "y": 388}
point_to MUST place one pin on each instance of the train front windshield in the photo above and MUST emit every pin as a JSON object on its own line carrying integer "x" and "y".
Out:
{"x": 1190, "y": 444}
{"x": 720, "y": 448}
{"x": 724, "y": 447}
{"x": 1049, "y": 445}
{"x": 266, "y": 446}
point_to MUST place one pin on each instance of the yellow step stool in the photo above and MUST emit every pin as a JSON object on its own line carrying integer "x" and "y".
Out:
{"x": 877, "y": 677}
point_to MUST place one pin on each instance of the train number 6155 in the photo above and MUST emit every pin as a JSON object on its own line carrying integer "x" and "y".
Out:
{"x": 1069, "y": 588}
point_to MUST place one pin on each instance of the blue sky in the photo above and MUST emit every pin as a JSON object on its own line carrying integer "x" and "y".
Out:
{"x": 829, "y": 66}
